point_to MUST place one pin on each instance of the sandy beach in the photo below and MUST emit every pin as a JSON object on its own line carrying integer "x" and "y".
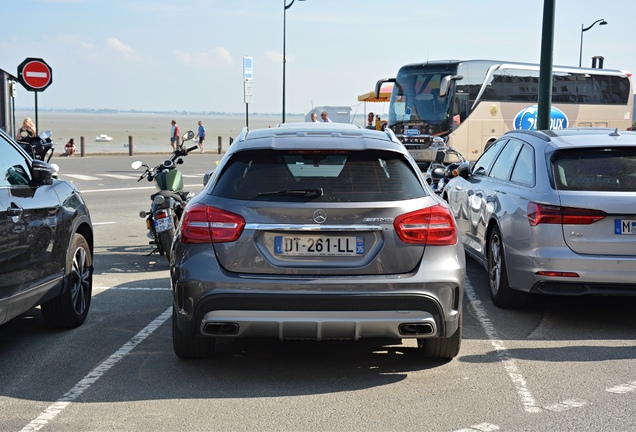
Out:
{"x": 149, "y": 132}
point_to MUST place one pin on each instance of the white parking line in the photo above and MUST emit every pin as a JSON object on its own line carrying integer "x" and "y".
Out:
{"x": 510, "y": 365}
{"x": 120, "y": 176}
{"x": 57, "y": 407}
{"x": 81, "y": 176}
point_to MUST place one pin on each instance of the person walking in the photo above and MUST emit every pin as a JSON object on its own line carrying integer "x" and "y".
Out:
{"x": 370, "y": 118}
{"x": 201, "y": 136}
{"x": 174, "y": 136}
{"x": 314, "y": 117}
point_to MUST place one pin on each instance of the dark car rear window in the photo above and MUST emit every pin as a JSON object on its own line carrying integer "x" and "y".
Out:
{"x": 608, "y": 169}
{"x": 331, "y": 176}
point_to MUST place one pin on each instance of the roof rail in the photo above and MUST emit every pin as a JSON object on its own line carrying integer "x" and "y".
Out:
{"x": 243, "y": 135}
{"x": 544, "y": 135}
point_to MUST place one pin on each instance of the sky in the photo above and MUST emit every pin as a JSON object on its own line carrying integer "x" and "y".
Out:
{"x": 187, "y": 55}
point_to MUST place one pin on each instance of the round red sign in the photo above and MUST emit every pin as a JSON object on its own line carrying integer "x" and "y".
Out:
{"x": 35, "y": 74}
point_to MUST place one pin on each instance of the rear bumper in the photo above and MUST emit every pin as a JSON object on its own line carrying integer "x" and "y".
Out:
{"x": 597, "y": 274}
{"x": 211, "y": 301}
{"x": 318, "y": 325}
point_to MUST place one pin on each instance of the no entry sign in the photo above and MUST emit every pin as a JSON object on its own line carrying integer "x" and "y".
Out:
{"x": 34, "y": 74}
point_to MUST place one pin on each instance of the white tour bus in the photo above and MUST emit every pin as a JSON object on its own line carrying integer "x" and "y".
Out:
{"x": 473, "y": 102}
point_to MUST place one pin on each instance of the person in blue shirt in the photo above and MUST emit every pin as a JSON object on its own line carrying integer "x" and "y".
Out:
{"x": 201, "y": 136}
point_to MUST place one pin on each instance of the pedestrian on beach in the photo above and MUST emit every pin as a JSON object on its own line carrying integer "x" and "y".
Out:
{"x": 27, "y": 130}
{"x": 370, "y": 124}
{"x": 325, "y": 117}
{"x": 314, "y": 117}
{"x": 70, "y": 147}
{"x": 201, "y": 136}
{"x": 174, "y": 136}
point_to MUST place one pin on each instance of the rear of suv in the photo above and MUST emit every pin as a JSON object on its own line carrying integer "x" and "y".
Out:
{"x": 317, "y": 231}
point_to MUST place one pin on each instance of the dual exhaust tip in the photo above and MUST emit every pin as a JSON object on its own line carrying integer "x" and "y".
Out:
{"x": 229, "y": 329}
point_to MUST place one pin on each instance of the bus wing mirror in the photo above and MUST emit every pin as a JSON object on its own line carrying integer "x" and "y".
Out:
{"x": 445, "y": 83}
{"x": 378, "y": 85}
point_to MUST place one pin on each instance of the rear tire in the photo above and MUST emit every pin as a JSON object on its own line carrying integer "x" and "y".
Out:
{"x": 190, "y": 347}
{"x": 165, "y": 242}
{"x": 442, "y": 348}
{"x": 70, "y": 308}
{"x": 500, "y": 292}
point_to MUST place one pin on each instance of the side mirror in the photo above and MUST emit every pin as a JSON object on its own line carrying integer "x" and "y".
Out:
{"x": 42, "y": 173}
{"x": 445, "y": 83}
{"x": 136, "y": 164}
{"x": 187, "y": 136}
{"x": 206, "y": 177}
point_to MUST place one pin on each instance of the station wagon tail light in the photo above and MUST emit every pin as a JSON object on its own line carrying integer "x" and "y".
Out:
{"x": 549, "y": 214}
{"x": 433, "y": 226}
{"x": 206, "y": 224}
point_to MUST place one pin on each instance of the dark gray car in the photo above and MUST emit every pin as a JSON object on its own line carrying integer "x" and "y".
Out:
{"x": 317, "y": 231}
{"x": 46, "y": 241}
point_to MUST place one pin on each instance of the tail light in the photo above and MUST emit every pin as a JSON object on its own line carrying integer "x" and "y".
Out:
{"x": 433, "y": 226}
{"x": 550, "y": 214}
{"x": 206, "y": 224}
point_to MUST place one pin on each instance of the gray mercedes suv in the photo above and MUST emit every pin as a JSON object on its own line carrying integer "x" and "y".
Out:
{"x": 317, "y": 231}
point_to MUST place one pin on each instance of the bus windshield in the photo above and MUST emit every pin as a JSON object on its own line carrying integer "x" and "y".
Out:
{"x": 416, "y": 100}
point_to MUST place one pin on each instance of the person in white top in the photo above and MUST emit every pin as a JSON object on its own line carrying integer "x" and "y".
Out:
{"x": 314, "y": 117}
{"x": 325, "y": 117}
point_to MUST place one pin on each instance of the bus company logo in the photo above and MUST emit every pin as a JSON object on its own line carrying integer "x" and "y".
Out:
{"x": 412, "y": 132}
{"x": 527, "y": 118}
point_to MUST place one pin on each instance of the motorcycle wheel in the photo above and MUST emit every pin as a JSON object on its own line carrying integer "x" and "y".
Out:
{"x": 165, "y": 242}
{"x": 157, "y": 242}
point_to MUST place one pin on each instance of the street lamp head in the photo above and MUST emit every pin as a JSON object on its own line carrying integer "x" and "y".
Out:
{"x": 601, "y": 23}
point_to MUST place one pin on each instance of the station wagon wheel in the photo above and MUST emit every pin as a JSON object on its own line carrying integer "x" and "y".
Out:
{"x": 70, "y": 308}
{"x": 500, "y": 292}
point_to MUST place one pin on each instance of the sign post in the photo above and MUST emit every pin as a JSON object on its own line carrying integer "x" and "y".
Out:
{"x": 35, "y": 75}
{"x": 247, "y": 85}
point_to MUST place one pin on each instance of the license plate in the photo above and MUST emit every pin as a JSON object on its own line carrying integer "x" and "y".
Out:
{"x": 302, "y": 245}
{"x": 624, "y": 226}
{"x": 416, "y": 155}
{"x": 163, "y": 224}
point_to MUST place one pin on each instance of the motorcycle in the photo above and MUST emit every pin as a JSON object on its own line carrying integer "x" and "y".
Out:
{"x": 440, "y": 171}
{"x": 170, "y": 200}
{"x": 38, "y": 147}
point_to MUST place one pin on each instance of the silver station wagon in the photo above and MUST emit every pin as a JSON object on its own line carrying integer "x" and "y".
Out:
{"x": 317, "y": 231}
{"x": 551, "y": 212}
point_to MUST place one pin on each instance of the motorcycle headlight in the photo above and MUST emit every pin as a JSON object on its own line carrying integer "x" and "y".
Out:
{"x": 159, "y": 199}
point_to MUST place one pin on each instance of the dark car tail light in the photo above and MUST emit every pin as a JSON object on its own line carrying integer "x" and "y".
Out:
{"x": 206, "y": 224}
{"x": 433, "y": 226}
{"x": 550, "y": 214}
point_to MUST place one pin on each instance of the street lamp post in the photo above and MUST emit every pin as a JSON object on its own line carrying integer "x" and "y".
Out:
{"x": 602, "y": 22}
{"x": 286, "y": 6}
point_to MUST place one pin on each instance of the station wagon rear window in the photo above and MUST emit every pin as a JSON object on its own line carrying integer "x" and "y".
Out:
{"x": 606, "y": 169}
{"x": 321, "y": 176}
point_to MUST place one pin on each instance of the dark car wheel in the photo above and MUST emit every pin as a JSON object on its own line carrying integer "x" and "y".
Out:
{"x": 70, "y": 308}
{"x": 500, "y": 292}
{"x": 190, "y": 347}
{"x": 442, "y": 348}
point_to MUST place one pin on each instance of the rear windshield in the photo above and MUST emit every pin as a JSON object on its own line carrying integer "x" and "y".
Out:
{"x": 323, "y": 176}
{"x": 609, "y": 169}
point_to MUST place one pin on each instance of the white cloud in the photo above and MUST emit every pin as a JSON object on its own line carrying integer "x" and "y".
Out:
{"x": 216, "y": 57}
{"x": 118, "y": 46}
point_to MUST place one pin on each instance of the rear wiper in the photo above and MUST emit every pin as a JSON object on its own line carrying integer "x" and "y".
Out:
{"x": 305, "y": 193}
